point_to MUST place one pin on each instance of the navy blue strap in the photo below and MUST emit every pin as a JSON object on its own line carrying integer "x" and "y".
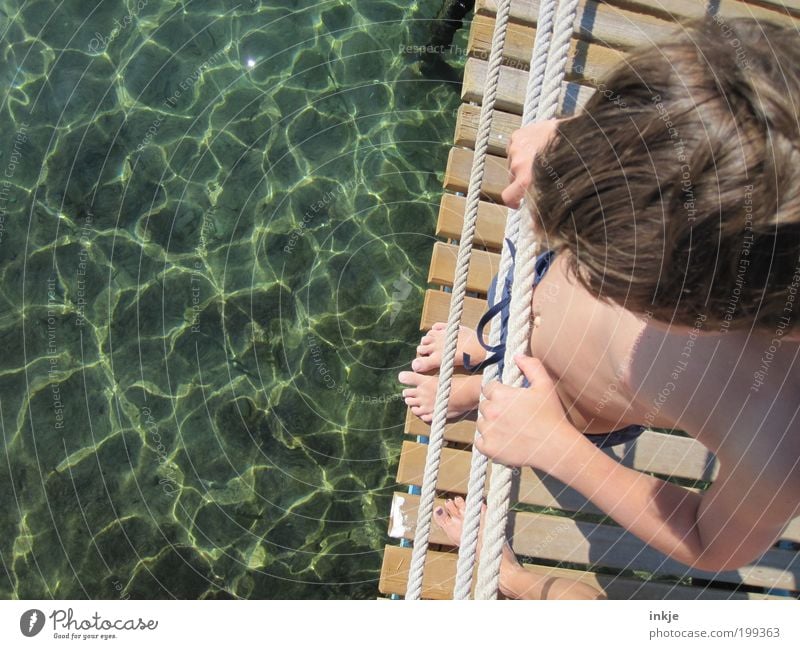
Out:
{"x": 497, "y": 351}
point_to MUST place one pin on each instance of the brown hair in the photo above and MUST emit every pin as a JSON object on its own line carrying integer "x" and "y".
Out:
{"x": 677, "y": 188}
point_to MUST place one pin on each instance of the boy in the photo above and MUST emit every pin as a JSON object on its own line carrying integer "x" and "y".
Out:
{"x": 673, "y": 207}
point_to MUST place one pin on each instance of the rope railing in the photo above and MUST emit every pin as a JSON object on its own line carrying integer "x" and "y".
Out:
{"x": 519, "y": 323}
{"x": 436, "y": 439}
{"x": 467, "y": 550}
{"x": 548, "y": 64}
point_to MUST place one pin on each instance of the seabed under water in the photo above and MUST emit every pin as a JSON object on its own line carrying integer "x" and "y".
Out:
{"x": 216, "y": 228}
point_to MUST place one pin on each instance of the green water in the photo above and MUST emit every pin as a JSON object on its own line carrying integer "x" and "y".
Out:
{"x": 216, "y": 227}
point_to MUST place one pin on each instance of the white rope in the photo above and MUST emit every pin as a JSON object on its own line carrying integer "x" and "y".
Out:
{"x": 467, "y": 550}
{"x": 436, "y": 439}
{"x": 498, "y": 500}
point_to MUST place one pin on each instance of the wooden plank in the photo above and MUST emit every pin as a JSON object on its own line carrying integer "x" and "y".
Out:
{"x": 659, "y": 453}
{"x": 459, "y": 168}
{"x": 511, "y": 89}
{"x": 518, "y": 45}
{"x": 483, "y": 266}
{"x": 683, "y": 9}
{"x": 595, "y": 22}
{"x": 557, "y": 538}
{"x": 436, "y": 307}
{"x": 503, "y": 125}
{"x": 534, "y": 488}
{"x": 462, "y": 432}
{"x": 440, "y": 568}
{"x": 652, "y": 452}
{"x": 489, "y": 230}
{"x": 438, "y": 578}
{"x": 587, "y": 62}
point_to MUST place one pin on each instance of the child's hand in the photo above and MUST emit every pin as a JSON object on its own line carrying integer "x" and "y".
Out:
{"x": 522, "y": 148}
{"x": 525, "y": 426}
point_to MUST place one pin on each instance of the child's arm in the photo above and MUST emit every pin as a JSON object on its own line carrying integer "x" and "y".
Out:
{"x": 729, "y": 526}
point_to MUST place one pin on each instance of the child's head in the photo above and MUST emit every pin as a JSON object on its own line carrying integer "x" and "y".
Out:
{"x": 677, "y": 189}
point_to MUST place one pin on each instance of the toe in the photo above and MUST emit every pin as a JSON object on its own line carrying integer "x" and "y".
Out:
{"x": 423, "y": 364}
{"x": 408, "y": 378}
{"x": 440, "y": 516}
{"x": 451, "y": 508}
{"x": 411, "y": 401}
{"x": 439, "y": 326}
{"x": 420, "y": 412}
{"x": 460, "y": 504}
{"x": 443, "y": 520}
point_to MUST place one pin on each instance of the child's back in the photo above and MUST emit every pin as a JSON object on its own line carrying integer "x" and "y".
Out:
{"x": 613, "y": 369}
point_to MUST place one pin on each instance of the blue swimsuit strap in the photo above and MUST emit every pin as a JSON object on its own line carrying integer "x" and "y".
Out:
{"x": 497, "y": 351}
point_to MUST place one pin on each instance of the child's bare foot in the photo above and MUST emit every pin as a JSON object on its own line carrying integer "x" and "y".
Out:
{"x": 515, "y": 581}
{"x": 451, "y": 519}
{"x": 465, "y": 394}
{"x": 429, "y": 352}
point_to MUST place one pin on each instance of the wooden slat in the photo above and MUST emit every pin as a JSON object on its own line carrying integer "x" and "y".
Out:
{"x": 792, "y": 531}
{"x": 462, "y": 432}
{"x": 557, "y": 538}
{"x": 596, "y": 22}
{"x": 517, "y": 48}
{"x": 511, "y": 89}
{"x": 440, "y": 569}
{"x": 587, "y": 62}
{"x": 436, "y": 307}
{"x": 455, "y": 469}
{"x": 489, "y": 230}
{"x": 683, "y": 9}
{"x": 438, "y": 578}
{"x": 659, "y": 453}
{"x": 535, "y": 488}
{"x": 459, "y": 168}
{"x": 483, "y": 266}
{"x": 503, "y": 125}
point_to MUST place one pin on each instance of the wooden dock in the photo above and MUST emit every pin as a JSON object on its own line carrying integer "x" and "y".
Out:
{"x": 554, "y": 527}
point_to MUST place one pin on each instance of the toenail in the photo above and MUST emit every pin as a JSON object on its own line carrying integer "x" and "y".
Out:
{"x": 439, "y": 511}
{"x": 414, "y": 365}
